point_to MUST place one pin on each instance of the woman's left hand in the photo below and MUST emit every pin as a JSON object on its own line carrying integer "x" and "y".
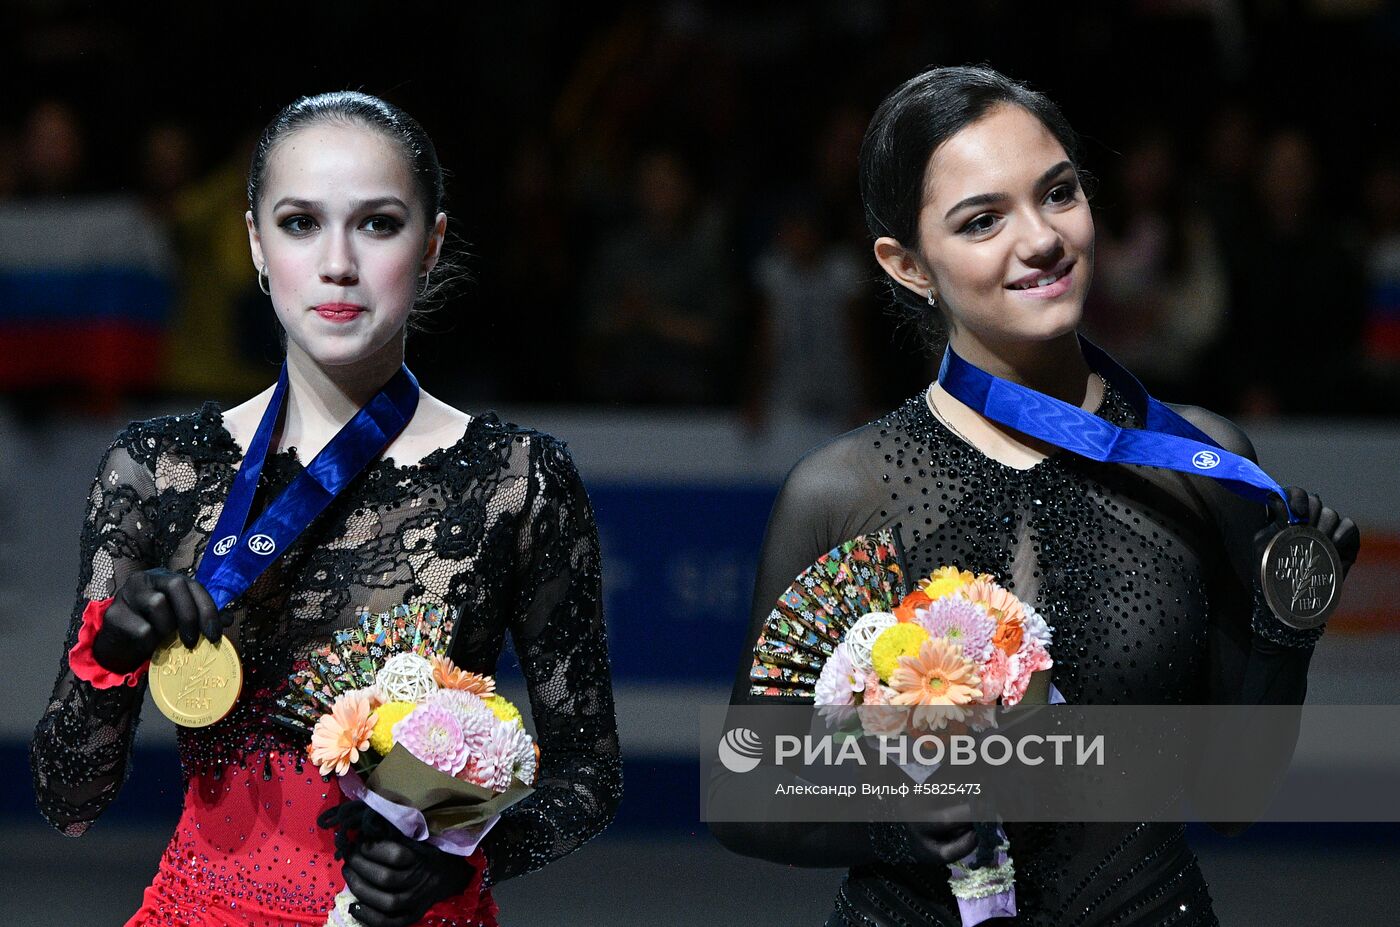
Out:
{"x": 395, "y": 884}
{"x": 1308, "y": 506}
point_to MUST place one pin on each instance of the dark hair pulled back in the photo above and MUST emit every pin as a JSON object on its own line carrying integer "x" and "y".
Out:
{"x": 351, "y": 107}
{"x": 921, "y": 114}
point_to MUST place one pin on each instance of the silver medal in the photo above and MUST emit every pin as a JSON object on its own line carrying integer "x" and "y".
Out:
{"x": 1302, "y": 576}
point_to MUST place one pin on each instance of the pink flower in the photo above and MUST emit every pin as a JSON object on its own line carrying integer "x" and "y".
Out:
{"x": 501, "y": 758}
{"x": 883, "y": 719}
{"x": 341, "y": 736}
{"x": 1020, "y": 666}
{"x": 874, "y": 693}
{"x": 471, "y": 712}
{"x": 994, "y": 672}
{"x": 434, "y": 735}
{"x": 960, "y": 622}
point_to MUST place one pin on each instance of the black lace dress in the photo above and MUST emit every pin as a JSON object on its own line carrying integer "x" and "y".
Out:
{"x": 497, "y": 527}
{"x": 1129, "y": 567}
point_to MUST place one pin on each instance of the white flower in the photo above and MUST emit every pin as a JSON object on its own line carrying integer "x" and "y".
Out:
{"x": 839, "y": 679}
{"x": 1036, "y": 627}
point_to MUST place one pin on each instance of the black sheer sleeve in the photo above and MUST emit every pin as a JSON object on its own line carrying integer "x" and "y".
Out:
{"x": 82, "y": 746}
{"x": 1254, "y": 658}
{"x": 558, "y": 631}
{"x": 813, "y": 513}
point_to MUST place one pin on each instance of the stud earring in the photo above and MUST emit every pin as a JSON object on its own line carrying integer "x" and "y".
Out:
{"x": 932, "y": 300}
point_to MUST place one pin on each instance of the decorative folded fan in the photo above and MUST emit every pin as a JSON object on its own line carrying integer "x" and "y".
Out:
{"x": 354, "y": 656}
{"x": 860, "y": 576}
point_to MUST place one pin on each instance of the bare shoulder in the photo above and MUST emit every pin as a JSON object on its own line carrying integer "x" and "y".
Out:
{"x": 1224, "y": 432}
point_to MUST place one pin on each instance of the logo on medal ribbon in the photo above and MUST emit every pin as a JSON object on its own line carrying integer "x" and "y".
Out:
{"x": 740, "y": 750}
{"x": 262, "y": 544}
{"x": 225, "y": 544}
{"x": 1206, "y": 460}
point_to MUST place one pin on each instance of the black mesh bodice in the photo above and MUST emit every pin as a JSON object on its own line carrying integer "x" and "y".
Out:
{"x": 1129, "y": 566}
{"x": 496, "y": 527}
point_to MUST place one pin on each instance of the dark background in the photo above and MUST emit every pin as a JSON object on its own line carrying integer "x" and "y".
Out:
{"x": 1267, "y": 124}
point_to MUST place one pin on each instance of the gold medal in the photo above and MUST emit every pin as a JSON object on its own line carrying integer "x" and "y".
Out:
{"x": 195, "y": 688}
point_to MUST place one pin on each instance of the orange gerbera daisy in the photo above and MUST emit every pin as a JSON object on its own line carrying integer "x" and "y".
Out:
{"x": 449, "y": 676}
{"x": 1000, "y": 603}
{"x": 343, "y": 734}
{"x": 939, "y": 675}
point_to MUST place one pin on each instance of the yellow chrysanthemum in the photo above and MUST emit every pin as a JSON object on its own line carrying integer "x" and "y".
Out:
{"x": 504, "y": 710}
{"x": 381, "y": 740}
{"x": 946, "y": 580}
{"x": 901, "y": 640}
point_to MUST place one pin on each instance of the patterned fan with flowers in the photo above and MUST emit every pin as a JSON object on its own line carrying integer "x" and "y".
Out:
{"x": 859, "y": 576}
{"x": 355, "y": 655}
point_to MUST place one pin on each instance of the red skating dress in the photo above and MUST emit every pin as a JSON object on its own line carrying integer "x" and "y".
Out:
{"x": 496, "y": 527}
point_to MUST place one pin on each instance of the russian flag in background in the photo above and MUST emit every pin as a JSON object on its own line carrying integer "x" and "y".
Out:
{"x": 1382, "y": 331}
{"x": 86, "y": 291}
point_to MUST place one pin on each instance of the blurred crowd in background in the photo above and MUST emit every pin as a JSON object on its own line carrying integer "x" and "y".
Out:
{"x": 657, "y": 205}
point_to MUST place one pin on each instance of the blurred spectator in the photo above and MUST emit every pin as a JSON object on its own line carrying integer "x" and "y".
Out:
{"x": 837, "y": 158}
{"x": 1159, "y": 281}
{"x": 9, "y": 166}
{"x": 224, "y": 338}
{"x": 539, "y": 272}
{"x": 1293, "y": 333}
{"x": 1381, "y": 335}
{"x": 658, "y": 306}
{"x": 167, "y": 167}
{"x": 1231, "y": 153}
{"x": 52, "y": 151}
{"x": 810, "y": 358}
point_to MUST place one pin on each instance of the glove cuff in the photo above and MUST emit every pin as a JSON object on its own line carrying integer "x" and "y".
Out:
{"x": 893, "y": 843}
{"x": 85, "y": 666}
{"x": 1265, "y": 624}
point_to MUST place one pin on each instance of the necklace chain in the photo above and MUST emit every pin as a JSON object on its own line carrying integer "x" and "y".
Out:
{"x": 938, "y": 414}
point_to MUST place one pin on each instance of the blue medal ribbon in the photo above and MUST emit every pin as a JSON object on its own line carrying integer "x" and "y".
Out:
{"x": 1168, "y": 440}
{"x": 236, "y": 557}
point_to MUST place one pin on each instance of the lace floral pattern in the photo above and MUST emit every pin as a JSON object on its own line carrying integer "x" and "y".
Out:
{"x": 496, "y": 526}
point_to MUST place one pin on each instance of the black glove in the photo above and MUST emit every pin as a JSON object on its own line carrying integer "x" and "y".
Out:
{"x": 944, "y": 837}
{"x": 150, "y": 606}
{"x": 395, "y": 880}
{"x": 1307, "y": 506}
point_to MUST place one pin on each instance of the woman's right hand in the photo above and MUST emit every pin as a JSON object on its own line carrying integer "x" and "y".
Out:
{"x": 149, "y": 607}
{"x": 944, "y": 843}
{"x": 944, "y": 839}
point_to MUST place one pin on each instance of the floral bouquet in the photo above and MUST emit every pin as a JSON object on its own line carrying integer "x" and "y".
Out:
{"x": 952, "y": 649}
{"x": 429, "y": 747}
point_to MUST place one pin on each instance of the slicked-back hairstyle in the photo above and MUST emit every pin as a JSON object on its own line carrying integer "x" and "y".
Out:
{"x": 351, "y": 107}
{"x": 921, "y": 114}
